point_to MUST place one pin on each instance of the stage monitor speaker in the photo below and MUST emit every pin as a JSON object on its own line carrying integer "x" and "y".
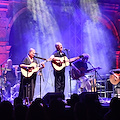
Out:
{"x": 51, "y": 96}
{"x": 88, "y": 96}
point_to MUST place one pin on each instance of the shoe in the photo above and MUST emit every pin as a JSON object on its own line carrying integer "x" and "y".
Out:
{"x": 80, "y": 90}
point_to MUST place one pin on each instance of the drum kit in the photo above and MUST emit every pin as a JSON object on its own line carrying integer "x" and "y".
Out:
{"x": 14, "y": 90}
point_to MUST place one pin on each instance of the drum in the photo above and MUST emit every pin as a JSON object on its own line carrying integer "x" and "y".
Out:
{"x": 15, "y": 90}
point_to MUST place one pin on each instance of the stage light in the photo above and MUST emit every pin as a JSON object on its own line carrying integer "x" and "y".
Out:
{"x": 98, "y": 40}
{"x": 46, "y": 33}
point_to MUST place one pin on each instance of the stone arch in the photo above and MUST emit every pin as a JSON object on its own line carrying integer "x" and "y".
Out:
{"x": 110, "y": 25}
{"x": 14, "y": 19}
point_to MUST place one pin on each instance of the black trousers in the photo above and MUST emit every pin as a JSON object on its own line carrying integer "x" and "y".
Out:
{"x": 59, "y": 81}
{"x": 27, "y": 87}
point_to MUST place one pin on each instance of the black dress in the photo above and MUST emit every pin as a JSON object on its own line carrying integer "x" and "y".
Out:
{"x": 27, "y": 84}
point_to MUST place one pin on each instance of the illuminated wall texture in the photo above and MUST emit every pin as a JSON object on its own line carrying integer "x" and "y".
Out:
{"x": 85, "y": 26}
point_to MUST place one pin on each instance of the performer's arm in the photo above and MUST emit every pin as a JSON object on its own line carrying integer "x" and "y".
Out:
{"x": 75, "y": 58}
{"x": 53, "y": 58}
{"x": 24, "y": 65}
{"x": 43, "y": 65}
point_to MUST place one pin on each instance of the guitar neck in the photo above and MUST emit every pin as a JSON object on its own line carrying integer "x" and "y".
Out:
{"x": 60, "y": 62}
{"x": 73, "y": 59}
{"x": 32, "y": 68}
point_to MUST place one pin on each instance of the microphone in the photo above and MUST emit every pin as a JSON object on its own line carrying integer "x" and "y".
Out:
{"x": 39, "y": 57}
{"x": 36, "y": 53}
{"x": 89, "y": 62}
{"x": 66, "y": 49}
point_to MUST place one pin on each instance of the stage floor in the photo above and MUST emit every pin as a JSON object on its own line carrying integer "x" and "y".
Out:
{"x": 105, "y": 101}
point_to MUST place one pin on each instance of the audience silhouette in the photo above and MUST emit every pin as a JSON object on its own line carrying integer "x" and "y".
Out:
{"x": 113, "y": 113}
{"x": 88, "y": 107}
{"x": 6, "y": 110}
{"x": 85, "y": 106}
{"x": 56, "y": 109}
{"x": 20, "y": 112}
{"x": 36, "y": 111}
{"x": 18, "y": 101}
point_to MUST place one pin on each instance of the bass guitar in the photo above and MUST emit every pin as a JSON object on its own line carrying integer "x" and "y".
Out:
{"x": 62, "y": 62}
{"x": 115, "y": 78}
{"x": 33, "y": 68}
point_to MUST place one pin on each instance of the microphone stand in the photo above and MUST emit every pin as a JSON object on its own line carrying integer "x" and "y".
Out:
{"x": 27, "y": 90}
{"x": 96, "y": 73}
{"x": 67, "y": 51}
{"x": 40, "y": 71}
{"x": 40, "y": 58}
{"x": 41, "y": 75}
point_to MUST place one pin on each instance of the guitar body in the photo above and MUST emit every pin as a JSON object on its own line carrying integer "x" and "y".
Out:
{"x": 76, "y": 74}
{"x": 57, "y": 65}
{"x": 29, "y": 72}
{"x": 115, "y": 78}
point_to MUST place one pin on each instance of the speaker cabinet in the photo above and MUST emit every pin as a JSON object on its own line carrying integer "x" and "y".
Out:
{"x": 51, "y": 96}
{"x": 88, "y": 96}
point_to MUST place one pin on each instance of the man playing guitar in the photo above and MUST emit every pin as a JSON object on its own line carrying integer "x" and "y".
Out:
{"x": 59, "y": 62}
{"x": 79, "y": 68}
{"x": 29, "y": 70}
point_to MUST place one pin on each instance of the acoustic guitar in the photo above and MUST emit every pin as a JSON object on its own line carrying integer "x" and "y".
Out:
{"x": 63, "y": 62}
{"x": 77, "y": 73}
{"x": 115, "y": 78}
{"x": 33, "y": 68}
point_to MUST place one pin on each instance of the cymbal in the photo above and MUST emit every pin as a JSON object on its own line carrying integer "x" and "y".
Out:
{"x": 5, "y": 69}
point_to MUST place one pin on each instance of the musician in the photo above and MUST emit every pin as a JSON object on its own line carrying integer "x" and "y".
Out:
{"x": 27, "y": 84}
{"x": 9, "y": 75}
{"x": 82, "y": 67}
{"x": 59, "y": 74}
{"x": 115, "y": 80}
